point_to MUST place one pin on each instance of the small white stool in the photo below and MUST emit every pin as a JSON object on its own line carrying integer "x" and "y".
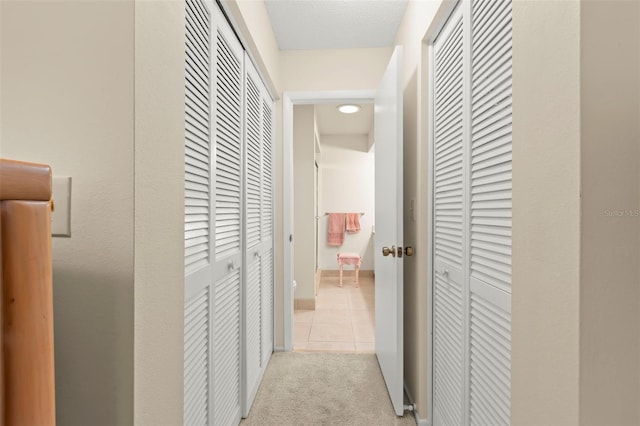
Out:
{"x": 349, "y": 259}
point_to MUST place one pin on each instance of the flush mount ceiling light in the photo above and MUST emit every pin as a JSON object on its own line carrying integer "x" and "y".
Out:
{"x": 349, "y": 108}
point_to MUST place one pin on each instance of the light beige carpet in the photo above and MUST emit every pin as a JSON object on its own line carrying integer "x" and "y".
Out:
{"x": 305, "y": 388}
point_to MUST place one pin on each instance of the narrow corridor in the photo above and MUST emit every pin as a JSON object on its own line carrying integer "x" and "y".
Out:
{"x": 304, "y": 388}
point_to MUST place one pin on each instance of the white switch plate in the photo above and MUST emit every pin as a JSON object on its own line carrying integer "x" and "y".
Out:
{"x": 61, "y": 215}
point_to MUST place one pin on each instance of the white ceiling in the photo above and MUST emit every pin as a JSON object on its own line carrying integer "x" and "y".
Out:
{"x": 335, "y": 24}
{"x": 330, "y": 121}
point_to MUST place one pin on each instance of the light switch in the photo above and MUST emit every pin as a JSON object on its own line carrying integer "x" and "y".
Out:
{"x": 61, "y": 215}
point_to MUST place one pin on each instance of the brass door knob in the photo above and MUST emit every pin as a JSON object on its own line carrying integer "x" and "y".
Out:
{"x": 386, "y": 251}
{"x": 408, "y": 251}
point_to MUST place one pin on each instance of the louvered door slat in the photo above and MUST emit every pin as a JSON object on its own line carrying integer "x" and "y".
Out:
{"x": 267, "y": 273}
{"x": 448, "y": 143}
{"x": 226, "y": 349}
{"x": 196, "y": 359}
{"x": 254, "y": 162}
{"x": 491, "y": 144}
{"x": 448, "y": 208}
{"x": 267, "y": 169}
{"x": 447, "y": 357}
{"x": 227, "y": 165}
{"x": 254, "y": 319}
{"x": 267, "y": 306}
{"x": 490, "y": 354}
{"x": 228, "y": 159}
{"x": 490, "y": 255}
{"x": 197, "y": 144}
{"x": 197, "y": 225}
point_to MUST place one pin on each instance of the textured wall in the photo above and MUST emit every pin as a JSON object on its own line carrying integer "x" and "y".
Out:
{"x": 546, "y": 212}
{"x": 348, "y": 185}
{"x": 67, "y": 100}
{"x": 304, "y": 228}
{"x": 610, "y": 244}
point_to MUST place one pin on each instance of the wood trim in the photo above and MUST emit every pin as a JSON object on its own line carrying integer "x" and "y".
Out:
{"x": 28, "y": 313}
{"x": 24, "y": 181}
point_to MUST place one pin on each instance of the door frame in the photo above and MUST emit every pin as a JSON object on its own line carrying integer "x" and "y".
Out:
{"x": 289, "y": 99}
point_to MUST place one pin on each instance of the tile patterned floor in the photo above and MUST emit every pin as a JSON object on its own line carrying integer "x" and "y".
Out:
{"x": 343, "y": 320}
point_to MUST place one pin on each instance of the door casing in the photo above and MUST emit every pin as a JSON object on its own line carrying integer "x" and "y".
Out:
{"x": 289, "y": 99}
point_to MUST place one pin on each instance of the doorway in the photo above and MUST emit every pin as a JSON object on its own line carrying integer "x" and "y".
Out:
{"x": 334, "y": 190}
{"x": 303, "y": 99}
{"x": 389, "y": 247}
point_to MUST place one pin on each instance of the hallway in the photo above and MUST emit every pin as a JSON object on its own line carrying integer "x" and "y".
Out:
{"x": 323, "y": 389}
{"x": 344, "y": 319}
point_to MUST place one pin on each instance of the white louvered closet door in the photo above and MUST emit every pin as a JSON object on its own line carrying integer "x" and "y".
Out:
{"x": 449, "y": 237}
{"x": 253, "y": 244}
{"x": 199, "y": 250}
{"x": 259, "y": 234}
{"x": 268, "y": 179}
{"x": 228, "y": 235}
{"x": 472, "y": 216}
{"x": 490, "y": 211}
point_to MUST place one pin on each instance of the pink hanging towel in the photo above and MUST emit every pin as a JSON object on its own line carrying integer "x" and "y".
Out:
{"x": 353, "y": 222}
{"x": 335, "y": 229}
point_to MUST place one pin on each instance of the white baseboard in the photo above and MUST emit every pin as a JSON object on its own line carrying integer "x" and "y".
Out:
{"x": 279, "y": 349}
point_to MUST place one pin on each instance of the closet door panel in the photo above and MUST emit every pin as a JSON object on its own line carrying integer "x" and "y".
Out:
{"x": 490, "y": 211}
{"x": 228, "y": 235}
{"x": 198, "y": 215}
{"x": 267, "y": 226}
{"x": 491, "y": 144}
{"x": 253, "y": 244}
{"x": 490, "y": 355}
{"x": 449, "y": 236}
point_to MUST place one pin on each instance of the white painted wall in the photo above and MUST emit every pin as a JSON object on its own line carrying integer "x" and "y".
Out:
{"x": 610, "y": 226}
{"x": 304, "y": 228}
{"x": 159, "y": 213}
{"x": 347, "y": 185}
{"x": 68, "y": 101}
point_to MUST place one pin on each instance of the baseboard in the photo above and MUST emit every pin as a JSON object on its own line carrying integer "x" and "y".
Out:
{"x": 279, "y": 349}
{"x": 304, "y": 304}
{"x": 347, "y": 272}
{"x": 416, "y": 415}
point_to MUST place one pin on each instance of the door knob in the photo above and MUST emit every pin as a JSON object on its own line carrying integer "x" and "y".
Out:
{"x": 408, "y": 251}
{"x": 386, "y": 251}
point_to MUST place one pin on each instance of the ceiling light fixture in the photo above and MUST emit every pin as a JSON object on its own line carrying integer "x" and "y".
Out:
{"x": 349, "y": 108}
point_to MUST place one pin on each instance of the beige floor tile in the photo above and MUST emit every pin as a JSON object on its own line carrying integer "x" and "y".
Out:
{"x": 364, "y": 333}
{"x": 332, "y": 301}
{"x": 301, "y": 332}
{"x": 330, "y": 333}
{"x": 303, "y": 316}
{"x": 367, "y": 303}
{"x": 363, "y": 315}
{"x": 300, "y": 346}
{"x": 331, "y": 346}
{"x": 361, "y": 290}
{"x": 344, "y": 319}
{"x": 366, "y": 347}
{"x": 331, "y": 290}
{"x": 333, "y": 316}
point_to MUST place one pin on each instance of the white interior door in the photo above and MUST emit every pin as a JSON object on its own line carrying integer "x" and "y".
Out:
{"x": 389, "y": 229}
